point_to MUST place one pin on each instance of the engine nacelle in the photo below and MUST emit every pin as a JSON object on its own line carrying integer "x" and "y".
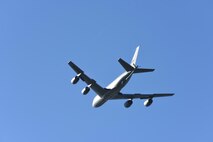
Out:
{"x": 75, "y": 80}
{"x": 128, "y": 103}
{"x": 148, "y": 102}
{"x": 85, "y": 90}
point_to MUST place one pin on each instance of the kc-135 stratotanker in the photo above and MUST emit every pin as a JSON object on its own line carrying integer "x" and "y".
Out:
{"x": 113, "y": 90}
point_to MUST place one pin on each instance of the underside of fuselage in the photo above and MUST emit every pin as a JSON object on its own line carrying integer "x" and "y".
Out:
{"x": 113, "y": 89}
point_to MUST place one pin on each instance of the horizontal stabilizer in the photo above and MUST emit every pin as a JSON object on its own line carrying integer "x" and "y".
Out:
{"x": 126, "y": 65}
{"x": 143, "y": 70}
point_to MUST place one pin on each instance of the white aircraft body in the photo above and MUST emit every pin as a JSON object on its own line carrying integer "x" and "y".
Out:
{"x": 112, "y": 91}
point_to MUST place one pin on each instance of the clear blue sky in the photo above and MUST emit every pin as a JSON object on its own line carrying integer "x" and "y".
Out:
{"x": 39, "y": 37}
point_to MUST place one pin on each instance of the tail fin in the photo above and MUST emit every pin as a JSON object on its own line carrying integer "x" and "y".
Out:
{"x": 133, "y": 66}
{"x": 134, "y": 58}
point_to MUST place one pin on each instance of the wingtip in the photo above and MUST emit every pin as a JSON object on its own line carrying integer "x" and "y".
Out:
{"x": 171, "y": 94}
{"x": 70, "y": 62}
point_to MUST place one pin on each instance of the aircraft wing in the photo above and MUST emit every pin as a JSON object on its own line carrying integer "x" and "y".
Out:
{"x": 90, "y": 82}
{"x": 141, "y": 96}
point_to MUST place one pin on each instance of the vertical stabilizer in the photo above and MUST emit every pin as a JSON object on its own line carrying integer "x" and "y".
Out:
{"x": 134, "y": 59}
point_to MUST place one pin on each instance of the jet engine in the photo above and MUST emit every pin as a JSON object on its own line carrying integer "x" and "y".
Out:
{"x": 148, "y": 102}
{"x": 85, "y": 90}
{"x": 75, "y": 80}
{"x": 128, "y": 103}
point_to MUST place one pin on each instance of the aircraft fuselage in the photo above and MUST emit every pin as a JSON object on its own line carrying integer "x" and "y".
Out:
{"x": 114, "y": 88}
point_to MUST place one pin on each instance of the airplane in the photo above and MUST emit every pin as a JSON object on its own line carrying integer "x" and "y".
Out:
{"x": 113, "y": 90}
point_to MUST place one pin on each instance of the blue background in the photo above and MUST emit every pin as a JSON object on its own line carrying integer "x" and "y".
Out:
{"x": 38, "y": 38}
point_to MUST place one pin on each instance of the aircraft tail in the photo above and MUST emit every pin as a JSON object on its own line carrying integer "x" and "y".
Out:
{"x": 134, "y": 58}
{"x": 133, "y": 66}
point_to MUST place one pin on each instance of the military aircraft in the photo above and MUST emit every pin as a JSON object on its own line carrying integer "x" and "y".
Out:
{"x": 113, "y": 90}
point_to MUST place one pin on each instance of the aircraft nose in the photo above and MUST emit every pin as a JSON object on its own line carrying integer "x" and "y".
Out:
{"x": 94, "y": 105}
{"x": 96, "y": 101}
